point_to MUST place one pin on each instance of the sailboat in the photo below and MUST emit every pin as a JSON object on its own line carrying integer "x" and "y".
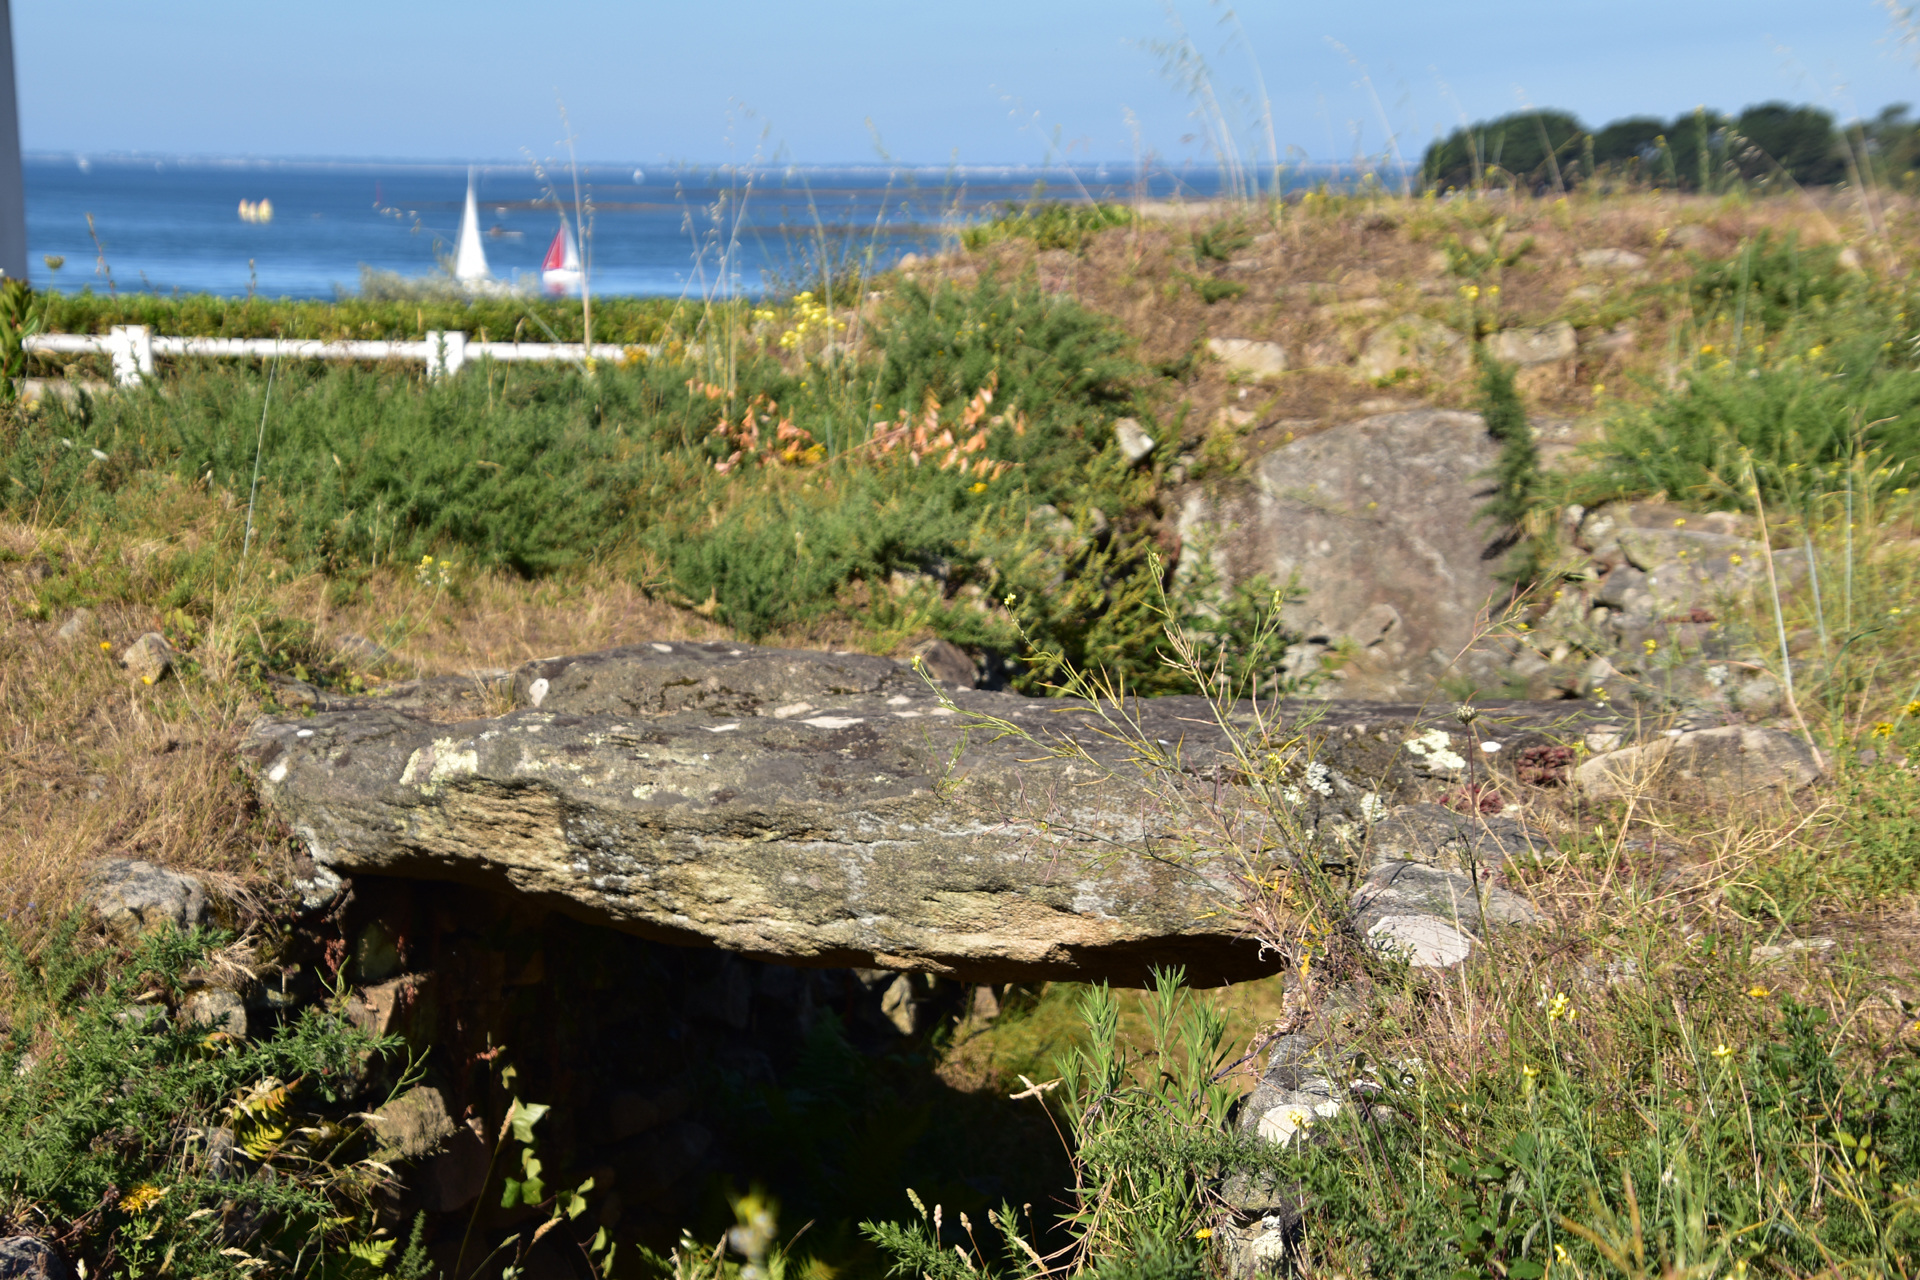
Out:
{"x": 560, "y": 272}
{"x": 469, "y": 257}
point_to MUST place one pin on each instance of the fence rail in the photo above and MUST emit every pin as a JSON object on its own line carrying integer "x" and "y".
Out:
{"x": 132, "y": 348}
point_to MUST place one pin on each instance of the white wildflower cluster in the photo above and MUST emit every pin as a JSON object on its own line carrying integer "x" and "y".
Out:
{"x": 1372, "y": 808}
{"x": 1319, "y": 778}
{"x": 1436, "y": 748}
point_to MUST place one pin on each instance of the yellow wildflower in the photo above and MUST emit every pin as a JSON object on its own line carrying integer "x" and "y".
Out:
{"x": 1204, "y": 1233}
{"x": 142, "y": 1197}
{"x": 1723, "y": 1052}
{"x": 1758, "y": 992}
{"x": 1883, "y": 730}
{"x": 1561, "y": 1006}
{"x": 1913, "y": 708}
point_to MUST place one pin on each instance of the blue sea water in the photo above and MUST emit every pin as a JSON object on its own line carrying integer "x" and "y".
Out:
{"x": 168, "y": 225}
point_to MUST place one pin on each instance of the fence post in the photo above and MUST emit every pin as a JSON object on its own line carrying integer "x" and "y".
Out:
{"x": 131, "y": 346}
{"x": 446, "y": 351}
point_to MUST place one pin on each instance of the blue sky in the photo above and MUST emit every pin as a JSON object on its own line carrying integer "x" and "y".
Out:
{"x": 990, "y": 81}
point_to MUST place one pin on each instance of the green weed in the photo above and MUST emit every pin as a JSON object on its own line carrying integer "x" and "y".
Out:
{"x": 158, "y": 1147}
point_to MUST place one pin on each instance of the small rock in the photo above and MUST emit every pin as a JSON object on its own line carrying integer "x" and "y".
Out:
{"x": 1413, "y": 344}
{"x": 1133, "y": 440}
{"x": 899, "y": 1007}
{"x": 29, "y": 1258}
{"x": 1248, "y": 357}
{"x": 411, "y": 1126}
{"x": 217, "y": 1160}
{"x": 134, "y": 897}
{"x": 1610, "y": 260}
{"x": 1733, "y": 761}
{"x": 1435, "y": 836}
{"x": 149, "y": 658}
{"x": 1544, "y": 344}
{"x": 1467, "y": 901}
{"x": 1608, "y": 342}
{"x": 78, "y": 624}
{"x": 946, "y": 662}
{"x": 383, "y": 1010}
{"x": 216, "y": 1009}
{"x": 375, "y": 957}
{"x": 1813, "y": 948}
{"x": 317, "y": 888}
{"x": 1424, "y": 941}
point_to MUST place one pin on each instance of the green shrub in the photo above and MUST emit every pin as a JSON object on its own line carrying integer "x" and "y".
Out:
{"x": 1797, "y": 411}
{"x": 156, "y": 1148}
{"x": 1049, "y": 224}
{"x": 1771, "y": 282}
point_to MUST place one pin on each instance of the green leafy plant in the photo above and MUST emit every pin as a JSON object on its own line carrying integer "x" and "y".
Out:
{"x": 1048, "y": 224}
{"x": 152, "y": 1145}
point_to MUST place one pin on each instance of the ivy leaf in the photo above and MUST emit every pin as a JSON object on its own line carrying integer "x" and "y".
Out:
{"x": 521, "y": 1118}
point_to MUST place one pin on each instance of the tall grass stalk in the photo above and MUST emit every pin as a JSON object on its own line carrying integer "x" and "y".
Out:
{"x": 259, "y": 450}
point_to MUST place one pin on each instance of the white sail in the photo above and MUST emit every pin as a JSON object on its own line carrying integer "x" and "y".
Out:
{"x": 561, "y": 272}
{"x": 469, "y": 257}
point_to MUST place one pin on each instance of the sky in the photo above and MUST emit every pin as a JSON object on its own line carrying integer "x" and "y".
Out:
{"x": 863, "y": 81}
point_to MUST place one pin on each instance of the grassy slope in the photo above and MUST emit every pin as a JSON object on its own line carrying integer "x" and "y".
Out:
{"x": 97, "y": 765}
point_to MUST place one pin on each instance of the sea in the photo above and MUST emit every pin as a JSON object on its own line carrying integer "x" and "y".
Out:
{"x": 175, "y": 225}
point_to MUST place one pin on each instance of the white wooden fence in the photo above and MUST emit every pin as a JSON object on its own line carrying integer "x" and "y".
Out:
{"x": 133, "y": 347}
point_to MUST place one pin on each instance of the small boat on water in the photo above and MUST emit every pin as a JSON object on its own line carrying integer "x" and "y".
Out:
{"x": 469, "y": 255}
{"x": 560, "y": 272}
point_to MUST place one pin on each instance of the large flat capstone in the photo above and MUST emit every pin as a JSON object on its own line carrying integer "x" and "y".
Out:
{"x": 814, "y": 808}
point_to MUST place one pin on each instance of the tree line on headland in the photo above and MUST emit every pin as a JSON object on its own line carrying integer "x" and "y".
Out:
{"x": 1773, "y": 143}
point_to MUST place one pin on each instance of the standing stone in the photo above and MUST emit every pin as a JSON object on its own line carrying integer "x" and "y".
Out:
{"x": 1378, "y": 520}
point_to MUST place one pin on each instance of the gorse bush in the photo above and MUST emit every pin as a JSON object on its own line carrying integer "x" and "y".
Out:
{"x": 158, "y": 1148}
{"x": 952, "y": 451}
{"x": 1792, "y": 413}
{"x": 1770, "y": 283}
{"x": 1049, "y": 224}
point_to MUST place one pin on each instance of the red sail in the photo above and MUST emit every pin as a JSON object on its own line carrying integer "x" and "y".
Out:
{"x": 556, "y": 252}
